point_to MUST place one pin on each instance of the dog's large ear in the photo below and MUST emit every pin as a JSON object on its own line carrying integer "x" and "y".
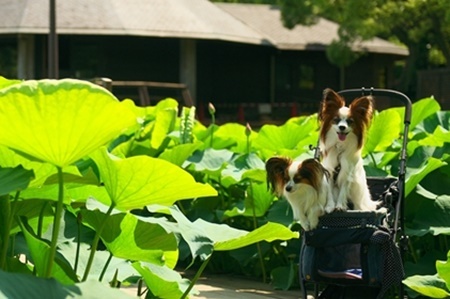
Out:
{"x": 276, "y": 167}
{"x": 362, "y": 109}
{"x": 331, "y": 102}
{"x": 313, "y": 171}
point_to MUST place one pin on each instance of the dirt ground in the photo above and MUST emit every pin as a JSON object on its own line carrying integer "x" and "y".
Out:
{"x": 232, "y": 287}
{"x": 229, "y": 287}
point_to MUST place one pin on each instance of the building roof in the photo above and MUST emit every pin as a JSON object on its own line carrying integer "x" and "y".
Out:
{"x": 198, "y": 19}
{"x": 266, "y": 20}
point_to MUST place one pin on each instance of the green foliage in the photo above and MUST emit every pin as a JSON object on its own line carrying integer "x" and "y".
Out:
{"x": 81, "y": 174}
{"x": 166, "y": 192}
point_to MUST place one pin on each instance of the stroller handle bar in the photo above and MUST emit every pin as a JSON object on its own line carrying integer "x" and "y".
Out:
{"x": 382, "y": 92}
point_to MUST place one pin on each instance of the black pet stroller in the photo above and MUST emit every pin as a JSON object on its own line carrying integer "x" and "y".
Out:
{"x": 359, "y": 254}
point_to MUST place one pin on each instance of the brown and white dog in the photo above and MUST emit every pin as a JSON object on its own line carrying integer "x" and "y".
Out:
{"x": 305, "y": 185}
{"x": 342, "y": 136}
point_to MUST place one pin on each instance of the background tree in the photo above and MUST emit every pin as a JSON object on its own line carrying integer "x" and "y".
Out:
{"x": 423, "y": 26}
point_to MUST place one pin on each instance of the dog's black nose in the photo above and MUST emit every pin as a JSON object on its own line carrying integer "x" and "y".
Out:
{"x": 342, "y": 128}
{"x": 288, "y": 188}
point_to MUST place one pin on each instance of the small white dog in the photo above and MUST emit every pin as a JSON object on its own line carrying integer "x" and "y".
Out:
{"x": 304, "y": 184}
{"x": 342, "y": 135}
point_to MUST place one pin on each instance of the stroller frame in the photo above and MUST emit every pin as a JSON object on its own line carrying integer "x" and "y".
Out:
{"x": 396, "y": 230}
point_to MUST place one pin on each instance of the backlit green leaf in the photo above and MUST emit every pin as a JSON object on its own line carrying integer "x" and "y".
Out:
{"x": 60, "y": 121}
{"x": 138, "y": 181}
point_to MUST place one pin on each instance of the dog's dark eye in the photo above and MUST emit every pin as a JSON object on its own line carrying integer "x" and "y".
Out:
{"x": 336, "y": 120}
{"x": 350, "y": 121}
{"x": 297, "y": 179}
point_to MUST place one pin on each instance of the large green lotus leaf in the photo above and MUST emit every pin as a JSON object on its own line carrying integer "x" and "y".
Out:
{"x": 283, "y": 277}
{"x": 378, "y": 138}
{"x": 119, "y": 268}
{"x": 60, "y": 121}
{"x": 289, "y": 136}
{"x": 228, "y": 238}
{"x": 241, "y": 164}
{"x": 231, "y": 133}
{"x": 421, "y": 110}
{"x": 40, "y": 251}
{"x": 162, "y": 282}
{"x": 135, "y": 182}
{"x": 14, "y": 179}
{"x": 415, "y": 175}
{"x": 429, "y": 285}
{"x": 14, "y": 285}
{"x": 31, "y": 210}
{"x": 433, "y": 214}
{"x": 127, "y": 237}
{"x": 199, "y": 244}
{"x": 161, "y": 126}
{"x": 42, "y": 171}
{"x": 441, "y": 118}
{"x": 210, "y": 161}
{"x": 443, "y": 270}
{"x": 437, "y": 139}
{"x": 257, "y": 203}
{"x": 7, "y": 82}
{"x": 180, "y": 153}
{"x": 75, "y": 190}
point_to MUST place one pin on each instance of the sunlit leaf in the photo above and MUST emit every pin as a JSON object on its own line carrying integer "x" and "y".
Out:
{"x": 7, "y": 82}
{"x": 378, "y": 138}
{"x": 163, "y": 283}
{"x": 60, "y": 121}
{"x": 180, "y": 153}
{"x": 228, "y": 238}
{"x": 429, "y": 285}
{"x": 443, "y": 270}
{"x": 135, "y": 182}
{"x": 421, "y": 110}
{"x": 288, "y": 138}
{"x": 437, "y": 139}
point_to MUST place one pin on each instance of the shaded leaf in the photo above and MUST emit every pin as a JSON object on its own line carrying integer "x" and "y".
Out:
{"x": 434, "y": 214}
{"x": 27, "y": 286}
{"x": 257, "y": 202}
{"x": 415, "y": 175}
{"x": 40, "y": 251}
{"x": 129, "y": 238}
{"x": 14, "y": 179}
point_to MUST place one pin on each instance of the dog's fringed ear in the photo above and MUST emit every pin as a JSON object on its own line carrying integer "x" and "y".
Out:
{"x": 276, "y": 167}
{"x": 363, "y": 108}
{"x": 331, "y": 102}
{"x": 312, "y": 170}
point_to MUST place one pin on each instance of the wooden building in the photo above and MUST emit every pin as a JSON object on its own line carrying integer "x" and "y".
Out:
{"x": 237, "y": 56}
